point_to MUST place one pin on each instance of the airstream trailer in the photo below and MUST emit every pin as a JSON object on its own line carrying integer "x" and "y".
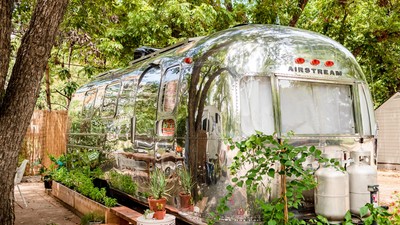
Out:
{"x": 177, "y": 106}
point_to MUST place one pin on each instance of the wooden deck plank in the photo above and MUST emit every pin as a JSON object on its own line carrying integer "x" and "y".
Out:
{"x": 125, "y": 213}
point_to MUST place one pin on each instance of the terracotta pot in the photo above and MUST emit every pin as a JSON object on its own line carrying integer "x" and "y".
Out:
{"x": 186, "y": 204}
{"x": 159, "y": 215}
{"x": 154, "y": 202}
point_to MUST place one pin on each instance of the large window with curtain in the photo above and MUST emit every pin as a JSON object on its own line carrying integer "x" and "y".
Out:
{"x": 316, "y": 108}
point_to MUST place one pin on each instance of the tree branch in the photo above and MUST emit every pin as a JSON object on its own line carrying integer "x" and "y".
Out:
{"x": 64, "y": 95}
{"x": 301, "y": 4}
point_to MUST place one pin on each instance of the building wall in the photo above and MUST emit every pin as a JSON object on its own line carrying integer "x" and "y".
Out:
{"x": 388, "y": 119}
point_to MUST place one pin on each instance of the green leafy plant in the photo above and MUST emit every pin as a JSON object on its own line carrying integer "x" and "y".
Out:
{"x": 158, "y": 184}
{"x": 123, "y": 182}
{"x": 185, "y": 180}
{"x": 147, "y": 213}
{"x": 82, "y": 183}
{"x": 89, "y": 218}
{"x": 261, "y": 153}
{"x": 110, "y": 202}
{"x": 377, "y": 214}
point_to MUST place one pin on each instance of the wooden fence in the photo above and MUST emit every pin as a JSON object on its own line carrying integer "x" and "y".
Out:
{"x": 46, "y": 135}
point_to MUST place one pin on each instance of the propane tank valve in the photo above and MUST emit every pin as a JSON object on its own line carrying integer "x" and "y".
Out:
{"x": 374, "y": 190}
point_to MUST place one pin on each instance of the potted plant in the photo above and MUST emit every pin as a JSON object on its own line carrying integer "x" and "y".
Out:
{"x": 46, "y": 177}
{"x": 160, "y": 212}
{"x": 185, "y": 180}
{"x": 158, "y": 191}
{"x": 148, "y": 214}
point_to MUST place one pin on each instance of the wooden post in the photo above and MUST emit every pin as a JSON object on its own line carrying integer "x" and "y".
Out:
{"x": 283, "y": 190}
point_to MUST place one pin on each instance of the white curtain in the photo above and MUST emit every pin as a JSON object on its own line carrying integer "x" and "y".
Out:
{"x": 256, "y": 111}
{"x": 316, "y": 108}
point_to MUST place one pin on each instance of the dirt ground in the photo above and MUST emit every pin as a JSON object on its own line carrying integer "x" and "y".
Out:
{"x": 45, "y": 210}
{"x": 389, "y": 183}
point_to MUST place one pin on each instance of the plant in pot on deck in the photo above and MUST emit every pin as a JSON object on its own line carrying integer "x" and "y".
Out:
{"x": 158, "y": 193}
{"x": 185, "y": 180}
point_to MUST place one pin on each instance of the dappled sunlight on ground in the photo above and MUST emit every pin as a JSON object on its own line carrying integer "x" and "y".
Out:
{"x": 42, "y": 208}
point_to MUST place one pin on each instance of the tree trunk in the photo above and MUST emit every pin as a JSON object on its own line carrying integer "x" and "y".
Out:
{"x": 22, "y": 91}
{"x": 5, "y": 42}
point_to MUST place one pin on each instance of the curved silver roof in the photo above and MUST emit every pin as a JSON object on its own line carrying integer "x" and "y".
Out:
{"x": 266, "y": 49}
{"x": 260, "y": 50}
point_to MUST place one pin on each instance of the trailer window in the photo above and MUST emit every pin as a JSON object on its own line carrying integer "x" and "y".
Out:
{"x": 146, "y": 105}
{"x": 88, "y": 102}
{"x": 367, "y": 110}
{"x": 169, "y": 89}
{"x": 316, "y": 108}
{"x": 256, "y": 111}
{"x": 110, "y": 100}
{"x": 126, "y": 102}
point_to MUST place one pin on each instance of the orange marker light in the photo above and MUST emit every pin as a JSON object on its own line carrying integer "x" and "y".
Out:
{"x": 299, "y": 60}
{"x": 188, "y": 60}
{"x": 315, "y": 62}
{"x": 329, "y": 63}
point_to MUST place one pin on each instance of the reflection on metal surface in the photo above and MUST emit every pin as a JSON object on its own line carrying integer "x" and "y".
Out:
{"x": 167, "y": 112}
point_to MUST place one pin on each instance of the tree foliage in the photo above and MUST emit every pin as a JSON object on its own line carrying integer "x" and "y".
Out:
{"x": 100, "y": 35}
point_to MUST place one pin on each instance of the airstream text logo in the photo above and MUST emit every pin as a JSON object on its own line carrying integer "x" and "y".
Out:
{"x": 315, "y": 71}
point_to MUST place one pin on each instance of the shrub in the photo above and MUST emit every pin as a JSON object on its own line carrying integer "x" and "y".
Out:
{"x": 123, "y": 182}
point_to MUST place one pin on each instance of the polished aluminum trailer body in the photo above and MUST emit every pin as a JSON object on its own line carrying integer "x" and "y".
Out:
{"x": 178, "y": 108}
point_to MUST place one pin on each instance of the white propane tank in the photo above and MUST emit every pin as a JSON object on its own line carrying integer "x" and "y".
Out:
{"x": 361, "y": 174}
{"x": 331, "y": 198}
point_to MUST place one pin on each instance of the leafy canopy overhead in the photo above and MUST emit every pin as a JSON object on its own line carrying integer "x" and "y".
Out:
{"x": 101, "y": 35}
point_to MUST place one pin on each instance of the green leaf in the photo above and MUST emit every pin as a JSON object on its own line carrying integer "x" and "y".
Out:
{"x": 323, "y": 219}
{"x": 347, "y": 217}
{"x": 288, "y": 163}
{"x": 271, "y": 172}
{"x": 369, "y": 220}
{"x": 271, "y": 222}
{"x": 279, "y": 206}
{"x": 249, "y": 182}
{"x": 363, "y": 211}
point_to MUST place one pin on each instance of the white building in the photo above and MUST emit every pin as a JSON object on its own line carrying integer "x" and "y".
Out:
{"x": 388, "y": 119}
